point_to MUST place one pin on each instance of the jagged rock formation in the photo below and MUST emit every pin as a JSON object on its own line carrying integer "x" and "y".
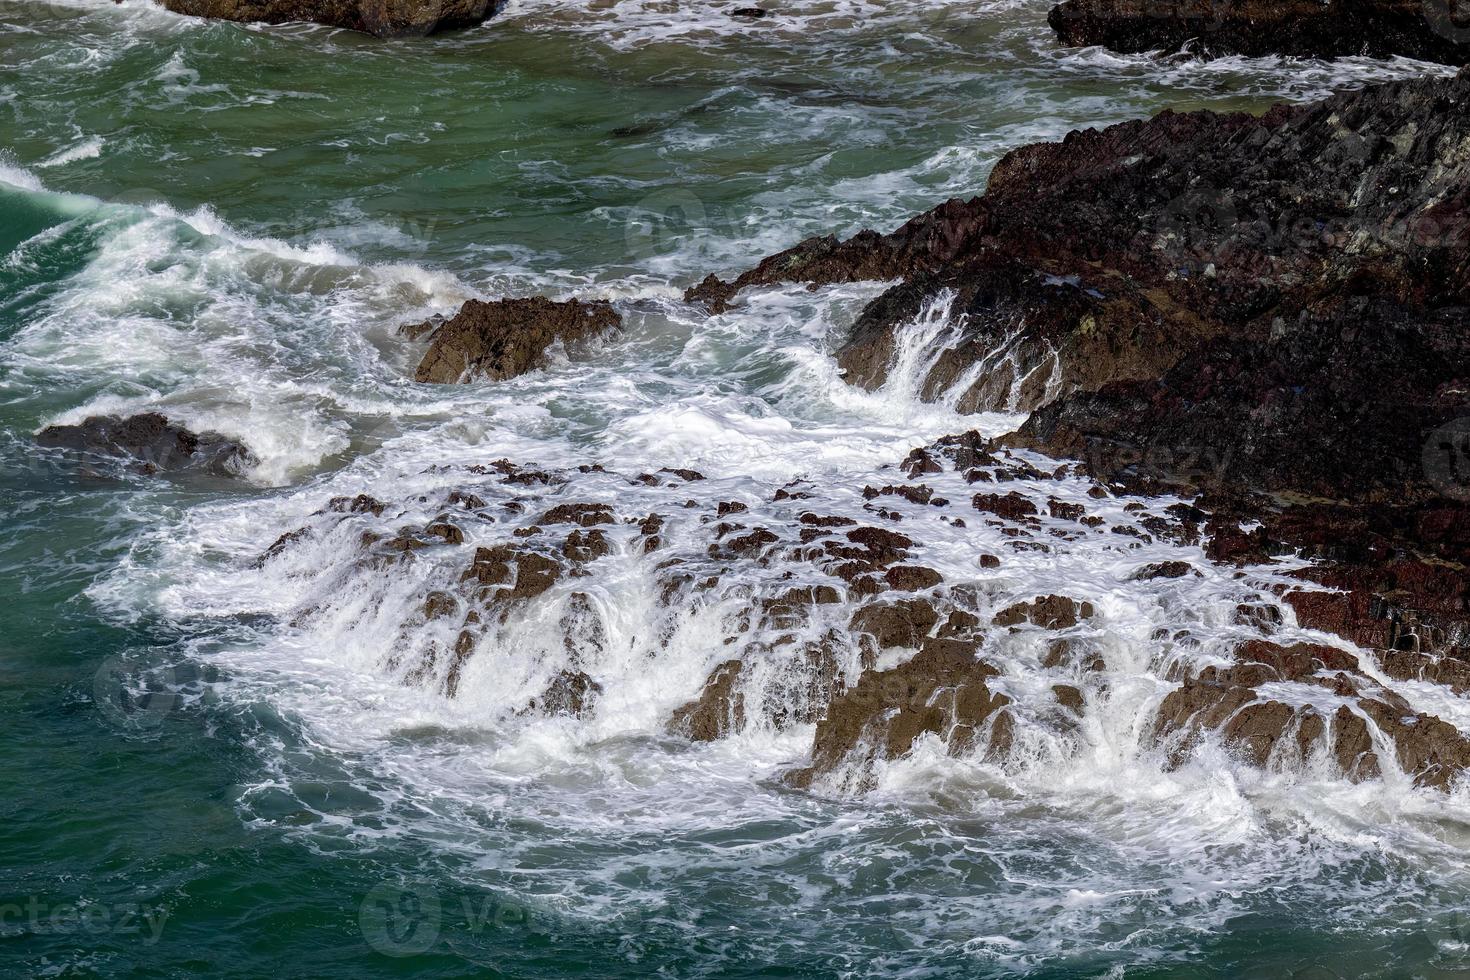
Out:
{"x": 1115, "y": 254}
{"x": 384, "y": 18}
{"x": 504, "y": 339}
{"x": 150, "y": 443}
{"x": 813, "y": 632}
{"x": 1269, "y": 311}
{"x": 1430, "y": 30}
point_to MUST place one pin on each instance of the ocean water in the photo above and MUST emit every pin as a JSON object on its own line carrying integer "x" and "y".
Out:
{"x": 214, "y": 764}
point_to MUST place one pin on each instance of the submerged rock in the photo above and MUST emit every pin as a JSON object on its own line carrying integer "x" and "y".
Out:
{"x": 505, "y": 339}
{"x": 1430, "y": 30}
{"x": 152, "y": 443}
{"x": 384, "y": 18}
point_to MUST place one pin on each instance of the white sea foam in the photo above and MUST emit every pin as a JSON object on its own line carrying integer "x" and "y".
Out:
{"x": 1087, "y": 847}
{"x": 87, "y": 149}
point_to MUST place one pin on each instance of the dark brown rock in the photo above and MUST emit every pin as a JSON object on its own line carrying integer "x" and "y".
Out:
{"x": 504, "y": 339}
{"x": 941, "y": 691}
{"x": 570, "y": 692}
{"x": 150, "y": 443}
{"x": 384, "y": 18}
{"x": 896, "y": 624}
{"x": 1011, "y": 506}
{"x": 718, "y": 711}
{"x": 912, "y": 578}
{"x": 1052, "y": 612}
{"x": 1429, "y": 30}
{"x": 587, "y": 515}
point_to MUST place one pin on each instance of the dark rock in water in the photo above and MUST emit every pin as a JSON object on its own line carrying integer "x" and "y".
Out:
{"x": 754, "y": 13}
{"x": 152, "y": 443}
{"x": 1163, "y": 569}
{"x": 1430, "y": 30}
{"x": 384, "y": 18}
{"x": 504, "y": 339}
{"x": 1332, "y": 235}
{"x": 1267, "y": 731}
{"x": 587, "y": 515}
{"x": 281, "y": 545}
{"x": 1051, "y": 612}
{"x": 569, "y": 693}
{"x": 904, "y": 623}
{"x": 882, "y": 715}
{"x": 719, "y": 709}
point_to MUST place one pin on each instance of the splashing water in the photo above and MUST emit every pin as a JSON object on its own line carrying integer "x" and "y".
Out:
{"x": 227, "y": 224}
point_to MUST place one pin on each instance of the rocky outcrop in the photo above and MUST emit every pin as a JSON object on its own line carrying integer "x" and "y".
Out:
{"x": 384, "y": 18}
{"x": 150, "y": 443}
{"x": 506, "y": 338}
{"x": 1430, "y": 30}
{"x": 1269, "y": 314}
{"x": 1265, "y": 730}
{"x": 942, "y": 691}
{"x": 1188, "y": 243}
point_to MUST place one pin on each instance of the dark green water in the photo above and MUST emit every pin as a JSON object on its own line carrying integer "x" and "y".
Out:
{"x": 227, "y": 223}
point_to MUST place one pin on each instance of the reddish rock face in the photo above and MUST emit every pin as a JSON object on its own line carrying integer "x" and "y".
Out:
{"x": 941, "y": 691}
{"x": 1429, "y": 31}
{"x": 718, "y": 711}
{"x": 505, "y": 339}
{"x": 385, "y": 18}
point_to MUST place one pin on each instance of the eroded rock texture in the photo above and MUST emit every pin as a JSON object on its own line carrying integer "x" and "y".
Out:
{"x": 385, "y": 18}
{"x": 506, "y": 338}
{"x": 1430, "y": 30}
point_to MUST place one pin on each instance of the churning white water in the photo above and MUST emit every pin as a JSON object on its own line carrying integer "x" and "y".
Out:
{"x": 1085, "y": 843}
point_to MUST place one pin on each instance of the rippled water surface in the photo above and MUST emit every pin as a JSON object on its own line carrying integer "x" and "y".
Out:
{"x": 216, "y": 766}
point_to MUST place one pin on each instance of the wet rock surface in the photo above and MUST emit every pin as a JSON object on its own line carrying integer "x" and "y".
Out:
{"x": 1291, "y": 584}
{"x": 1429, "y": 30}
{"x": 1219, "y": 251}
{"x": 150, "y": 443}
{"x": 829, "y": 624}
{"x": 506, "y": 338}
{"x": 384, "y": 18}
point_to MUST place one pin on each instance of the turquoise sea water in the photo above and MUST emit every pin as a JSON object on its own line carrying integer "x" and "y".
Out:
{"x": 227, "y": 223}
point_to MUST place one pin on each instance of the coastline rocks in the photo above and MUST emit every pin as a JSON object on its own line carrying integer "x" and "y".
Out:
{"x": 797, "y": 635}
{"x": 1189, "y": 247}
{"x": 1265, "y": 730}
{"x": 384, "y": 18}
{"x": 1429, "y": 30}
{"x": 150, "y": 443}
{"x": 1270, "y": 312}
{"x": 506, "y": 338}
{"x": 942, "y": 691}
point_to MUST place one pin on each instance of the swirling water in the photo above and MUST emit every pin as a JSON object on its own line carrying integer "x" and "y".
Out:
{"x": 227, "y": 224}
